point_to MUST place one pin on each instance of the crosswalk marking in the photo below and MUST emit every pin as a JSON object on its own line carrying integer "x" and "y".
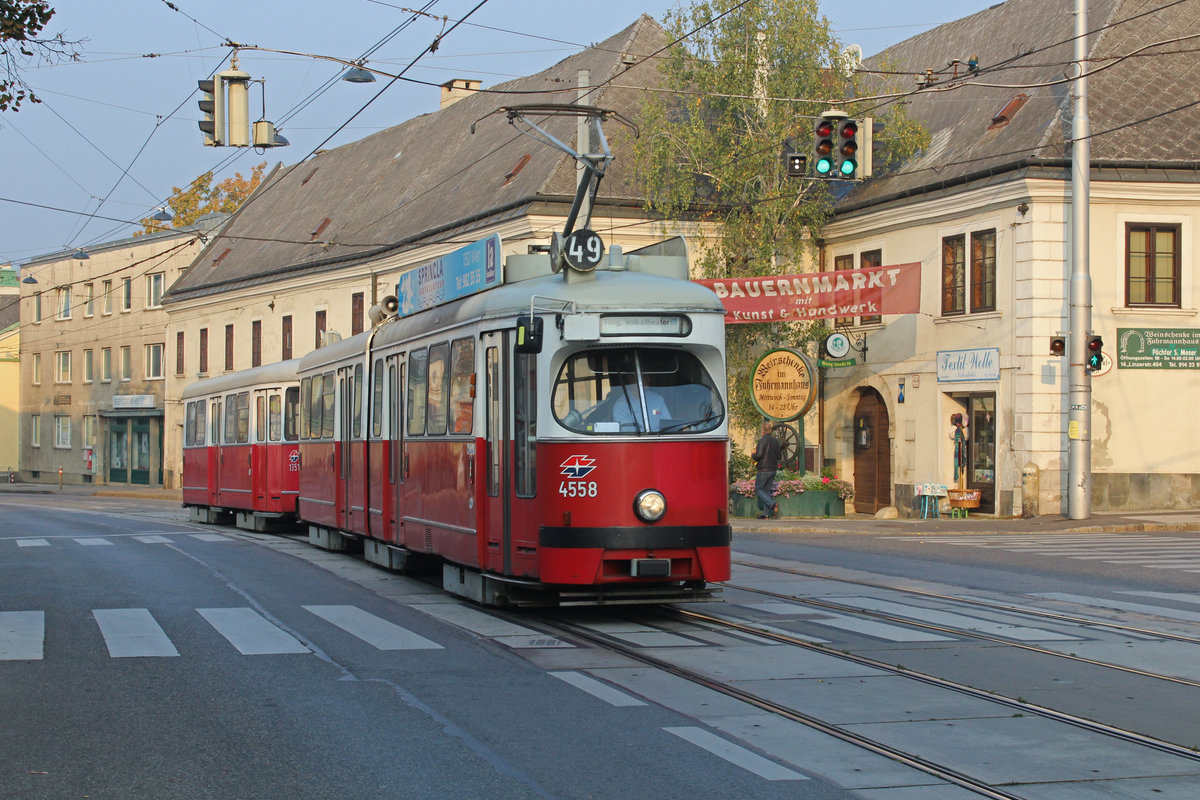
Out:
{"x": 154, "y": 539}
{"x": 22, "y": 635}
{"x": 32, "y": 543}
{"x": 93, "y": 541}
{"x": 879, "y": 630}
{"x": 507, "y": 633}
{"x": 209, "y": 537}
{"x": 250, "y": 632}
{"x": 949, "y": 619}
{"x": 132, "y": 633}
{"x": 737, "y": 755}
{"x": 378, "y": 633}
{"x": 598, "y": 689}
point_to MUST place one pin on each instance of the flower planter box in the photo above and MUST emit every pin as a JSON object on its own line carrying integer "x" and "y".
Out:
{"x": 811, "y": 503}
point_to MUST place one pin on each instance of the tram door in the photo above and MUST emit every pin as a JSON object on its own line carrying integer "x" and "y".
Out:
{"x": 394, "y": 524}
{"x": 350, "y": 498}
{"x": 496, "y": 511}
{"x": 260, "y": 463}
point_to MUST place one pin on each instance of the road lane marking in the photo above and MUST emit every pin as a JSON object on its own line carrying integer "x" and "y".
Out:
{"x": 93, "y": 541}
{"x": 250, "y": 632}
{"x": 209, "y": 537}
{"x": 22, "y": 635}
{"x": 155, "y": 539}
{"x": 132, "y": 633}
{"x": 377, "y": 632}
{"x": 736, "y": 755}
{"x": 32, "y": 543}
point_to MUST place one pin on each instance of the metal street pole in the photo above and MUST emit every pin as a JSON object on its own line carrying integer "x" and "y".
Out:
{"x": 1079, "y": 417}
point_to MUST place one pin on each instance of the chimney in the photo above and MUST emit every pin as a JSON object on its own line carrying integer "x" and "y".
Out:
{"x": 457, "y": 89}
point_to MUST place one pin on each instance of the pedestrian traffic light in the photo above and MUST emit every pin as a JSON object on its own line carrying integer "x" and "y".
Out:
{"x": 823, "y": 147}
{"x": 797, "y": 165}
{"x": 212, "y": 107}
{"x": 1058, "y": 345}
{"x": 1095, "y": 353}
{"x": 847, "y": 148}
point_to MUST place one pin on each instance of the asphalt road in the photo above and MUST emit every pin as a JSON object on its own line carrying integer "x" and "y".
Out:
{"x": 141, "y": 656}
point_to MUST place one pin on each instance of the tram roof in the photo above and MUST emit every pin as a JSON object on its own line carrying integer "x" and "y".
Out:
{"x": 277, "y": 373}
{"x": 608, "y": 291}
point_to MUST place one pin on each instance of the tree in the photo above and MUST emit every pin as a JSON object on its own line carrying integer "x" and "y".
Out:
{"x": 201, "y": 197}
{"x": 747, "y": 89}
{"x": 21, "y": 22}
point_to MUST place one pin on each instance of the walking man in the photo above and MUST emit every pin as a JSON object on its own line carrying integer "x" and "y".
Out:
{"x": 766, "y": 456}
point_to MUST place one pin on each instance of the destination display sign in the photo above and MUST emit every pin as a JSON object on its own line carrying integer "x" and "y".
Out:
{"x": 457, "y": 274}
{"x": 1158, "y": 348}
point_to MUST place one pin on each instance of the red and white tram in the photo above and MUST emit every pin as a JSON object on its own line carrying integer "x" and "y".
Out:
{"x": 241, "y": 452}
{"x": 556, "y": 439}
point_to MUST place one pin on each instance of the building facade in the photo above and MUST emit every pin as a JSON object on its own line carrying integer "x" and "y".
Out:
{"x": 93, "y": 357}
{"x": 987, "y": 212}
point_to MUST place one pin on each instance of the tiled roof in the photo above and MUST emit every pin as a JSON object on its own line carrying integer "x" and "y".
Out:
{"x": 1142, "y": 102}
{"x": 426, "y": 176}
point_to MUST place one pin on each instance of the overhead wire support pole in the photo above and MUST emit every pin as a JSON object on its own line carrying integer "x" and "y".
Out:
{"x": 1079, "y": 416}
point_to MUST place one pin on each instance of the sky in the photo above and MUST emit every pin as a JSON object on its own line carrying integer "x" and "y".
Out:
{"x": 117, "y": 130}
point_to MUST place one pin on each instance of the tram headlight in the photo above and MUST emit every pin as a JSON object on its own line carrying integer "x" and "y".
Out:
{"x": 650, "y": 505}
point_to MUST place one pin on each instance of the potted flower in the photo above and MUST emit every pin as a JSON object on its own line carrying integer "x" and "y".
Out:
{"x": 812, "y": 495}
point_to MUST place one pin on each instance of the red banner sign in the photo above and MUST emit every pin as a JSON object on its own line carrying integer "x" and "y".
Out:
{"x": 867, "y": 291}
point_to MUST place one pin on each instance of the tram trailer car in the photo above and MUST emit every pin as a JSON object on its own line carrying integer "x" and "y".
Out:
{"x": 241, "y": 447}
{"x": 555, "y": 440}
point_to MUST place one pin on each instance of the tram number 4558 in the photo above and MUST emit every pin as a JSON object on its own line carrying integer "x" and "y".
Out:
{"x": 577, "y": 488}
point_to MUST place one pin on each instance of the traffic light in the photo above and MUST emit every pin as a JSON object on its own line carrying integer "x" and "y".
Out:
{"x": 1095, "y": 353}
{"x": 797, "y": 165}
{"x": 1058, "y": 345}
{"x": 212, "y": 107}
{"x": 847, "y": 148}
{"x": 823, "y": 147}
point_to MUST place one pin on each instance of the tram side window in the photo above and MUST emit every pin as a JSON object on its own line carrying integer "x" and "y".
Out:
{"x": 291, "y": 413}
{"x": 525, "y": 423}
{"x": 215, "y": 438}
{"x": 243, "y": 417}
{"x": 260, "y": 418}
{"x": 358, "y": 393}
{"x": 189, "y": 425}
{"x": 462, "y": 385}
{"x": 305, "y": 407}
{"x": 395, "y": 378}
{"x": 275, "y": 417}
{"x": 416, "y": 392}
{"x": 230, "y": 418}
{"x": 493, "y": 432}
{"x": 327, "y": 396}
{"x": 437, "y": 389}
{"x": 377, "y": 398}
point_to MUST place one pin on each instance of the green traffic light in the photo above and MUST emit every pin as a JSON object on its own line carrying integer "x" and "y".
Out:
{"x": 824, "y": 166}
{"x": 848, "y": 167}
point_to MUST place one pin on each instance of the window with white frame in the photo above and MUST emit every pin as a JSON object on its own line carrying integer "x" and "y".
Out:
{"x": 89, "y": 431}
{"x": 126, "y": 294}
{"x": 37, "y": 307}
{"x": 126, "y": 363}
{"x": 35, "y": 430}
{"x": 62, "y": 432}
{"x": 62, "y": 366}
{"x": 89, "y": 300}
{"x": 64, "y": 302}
{"x": 154, "y": 289}
{"x": 154, "y": 361}
{"x": 37, "y": 369}
{"x": 106, "y": 364}
{"x": 107, "y": 291}
{"x": 88, "y": 366}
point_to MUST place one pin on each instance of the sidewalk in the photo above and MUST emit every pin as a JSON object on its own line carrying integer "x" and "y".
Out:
{"x": 1123, "y": 522}
{"x": 82, "y": 490}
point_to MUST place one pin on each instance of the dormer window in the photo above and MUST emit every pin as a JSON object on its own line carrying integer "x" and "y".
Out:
{"x": 1005, "y": 115}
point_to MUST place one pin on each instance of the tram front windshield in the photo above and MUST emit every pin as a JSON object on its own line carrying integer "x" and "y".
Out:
{"x": 636, "y": 390}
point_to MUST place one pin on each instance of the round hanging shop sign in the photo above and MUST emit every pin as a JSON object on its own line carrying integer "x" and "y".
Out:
{"x": 784, "y": 385}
